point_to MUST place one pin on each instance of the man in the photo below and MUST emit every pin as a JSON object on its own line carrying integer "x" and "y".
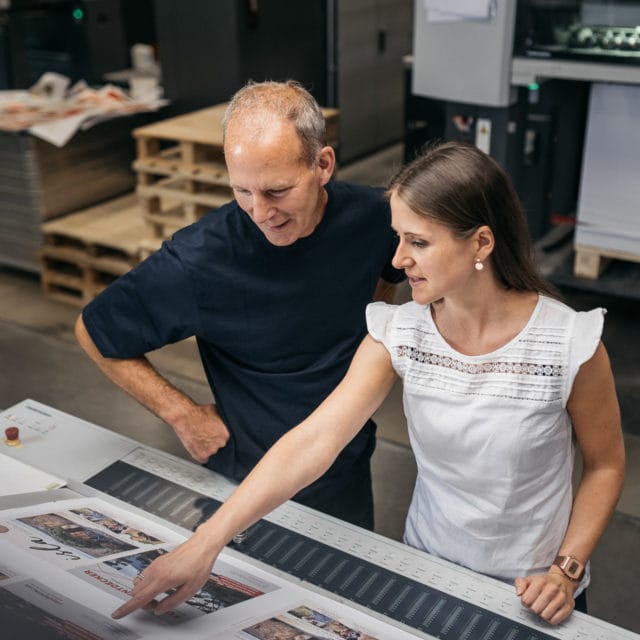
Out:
{"x": 273, "y": 286}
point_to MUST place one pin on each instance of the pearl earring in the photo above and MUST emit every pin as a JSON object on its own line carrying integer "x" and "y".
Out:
{"x": 478, "y": 265}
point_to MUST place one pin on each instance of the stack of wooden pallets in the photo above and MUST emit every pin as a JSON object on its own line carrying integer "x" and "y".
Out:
{"x": 181, "y": 175}
{"x": 180, "y": 169}
{"x": 84, "y": 252}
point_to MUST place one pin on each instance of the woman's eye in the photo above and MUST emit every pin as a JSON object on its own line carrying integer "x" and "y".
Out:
{"x": 419, "y": 244}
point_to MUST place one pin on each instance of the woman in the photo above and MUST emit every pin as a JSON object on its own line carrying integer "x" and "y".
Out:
{"x": 500, "y": 379}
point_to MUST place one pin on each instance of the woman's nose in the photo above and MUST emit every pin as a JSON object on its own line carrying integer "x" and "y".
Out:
{"x": 401, "y": 259}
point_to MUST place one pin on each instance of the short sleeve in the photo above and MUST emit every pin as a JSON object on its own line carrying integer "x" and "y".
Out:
{"x": 396, "y": 327}
{"x": 143, "y": 310}
{"x": 379, "y": 316}
{"x": 587, "y": 333}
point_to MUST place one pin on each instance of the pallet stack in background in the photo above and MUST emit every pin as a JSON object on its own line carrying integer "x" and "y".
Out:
{"x": 181, "y": 170}
{"x": 181, "y": 175}
{"x": 84, "y": 252}
{"x": 40, "y": 182}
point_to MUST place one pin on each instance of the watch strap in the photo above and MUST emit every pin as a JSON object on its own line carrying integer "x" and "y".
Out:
{"x": 570, "y": 566}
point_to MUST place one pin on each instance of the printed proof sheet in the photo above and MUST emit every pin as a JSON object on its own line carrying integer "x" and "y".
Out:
{"x": 65, "y": 566}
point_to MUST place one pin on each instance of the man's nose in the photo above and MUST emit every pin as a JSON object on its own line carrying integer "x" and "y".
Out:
{"x": 262, "y": 209}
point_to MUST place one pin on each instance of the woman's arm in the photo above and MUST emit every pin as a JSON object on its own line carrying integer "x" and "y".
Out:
{"x": 297, "y": 459}
{"x": 595, "y": 414}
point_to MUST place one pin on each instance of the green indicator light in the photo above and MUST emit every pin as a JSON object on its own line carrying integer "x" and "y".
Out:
{"x": 78, "y": 14}
{"x": 534, "y": 86}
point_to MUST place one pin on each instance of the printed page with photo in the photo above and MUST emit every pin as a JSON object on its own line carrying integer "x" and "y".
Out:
{"x": 65, "y": 566}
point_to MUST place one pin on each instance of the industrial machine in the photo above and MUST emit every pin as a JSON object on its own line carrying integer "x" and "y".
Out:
{"x": 81, "y": 39}
{"x": 516, "y": 81}
{"x": 400, "y": 588}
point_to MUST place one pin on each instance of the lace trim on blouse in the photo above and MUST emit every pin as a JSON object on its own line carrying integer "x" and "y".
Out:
{"x": 519, "y": 368}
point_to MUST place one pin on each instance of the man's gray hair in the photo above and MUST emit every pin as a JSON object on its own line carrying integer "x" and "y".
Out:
{"x": 290, "y": 101}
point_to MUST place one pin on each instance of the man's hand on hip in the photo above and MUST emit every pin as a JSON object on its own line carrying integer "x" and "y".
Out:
{"x": 202, "y": 431}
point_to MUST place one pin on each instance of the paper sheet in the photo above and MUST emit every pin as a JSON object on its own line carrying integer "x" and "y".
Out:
{"x": 69, "y": 564}
{"x": 54, "y": 113}
{"x": 18, "y": 477}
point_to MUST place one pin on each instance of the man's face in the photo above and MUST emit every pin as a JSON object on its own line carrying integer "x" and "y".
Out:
{"x": 281, "y": 193}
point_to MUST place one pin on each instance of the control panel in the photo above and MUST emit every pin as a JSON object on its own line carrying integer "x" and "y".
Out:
{"x": 391, "y": 580}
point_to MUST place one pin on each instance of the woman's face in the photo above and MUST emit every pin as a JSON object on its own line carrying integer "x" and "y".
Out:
{"x": 437, "y": 263}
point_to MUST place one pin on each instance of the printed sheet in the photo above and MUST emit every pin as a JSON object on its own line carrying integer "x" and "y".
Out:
{"x": 65, "y": 566}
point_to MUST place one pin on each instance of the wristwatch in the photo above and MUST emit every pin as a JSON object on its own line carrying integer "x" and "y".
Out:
{"x": 572, "y": 568}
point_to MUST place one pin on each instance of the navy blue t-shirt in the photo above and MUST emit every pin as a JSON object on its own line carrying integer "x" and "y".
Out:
{"x": 276, "y": 327}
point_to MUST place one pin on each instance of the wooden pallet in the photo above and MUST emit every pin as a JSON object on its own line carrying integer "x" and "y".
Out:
{"x": 168, "y": 162}
{"x": 195, "y": 138}
{"x": 174, "y": 202}
{"x": 84, "y": 252}
{"x": 71, "y": 279}
{"x": 181, "y": 171}
{"x": 164, "y": 216}
{"x": 148, "y": 246}
{"x": 590, "y": 262}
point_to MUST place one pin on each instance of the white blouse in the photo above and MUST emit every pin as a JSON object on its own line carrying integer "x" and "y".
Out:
{"x": 491, "y": 435}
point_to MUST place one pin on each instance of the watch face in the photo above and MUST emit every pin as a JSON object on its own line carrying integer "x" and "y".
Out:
{"x": 570, "y": 567}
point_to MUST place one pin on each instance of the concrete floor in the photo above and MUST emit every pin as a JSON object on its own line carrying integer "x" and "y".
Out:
{"x": 41, "y": 360}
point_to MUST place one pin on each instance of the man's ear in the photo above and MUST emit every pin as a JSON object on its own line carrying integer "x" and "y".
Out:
{"x": 326, "y": 164}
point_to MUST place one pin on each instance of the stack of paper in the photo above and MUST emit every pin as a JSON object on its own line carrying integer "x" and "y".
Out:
{"x": 608, "y": 211}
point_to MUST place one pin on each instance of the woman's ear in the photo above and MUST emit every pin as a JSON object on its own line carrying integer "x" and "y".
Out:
{"x": 485, "y": 242}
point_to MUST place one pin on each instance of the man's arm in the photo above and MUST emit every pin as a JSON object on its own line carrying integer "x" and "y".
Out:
{"x": 199, "y": 427}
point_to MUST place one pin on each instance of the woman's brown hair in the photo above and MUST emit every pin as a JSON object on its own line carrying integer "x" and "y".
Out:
{"x": 457, "y": 185}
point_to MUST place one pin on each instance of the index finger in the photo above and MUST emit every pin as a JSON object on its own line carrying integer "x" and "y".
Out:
{"x": 144, "y": 597}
